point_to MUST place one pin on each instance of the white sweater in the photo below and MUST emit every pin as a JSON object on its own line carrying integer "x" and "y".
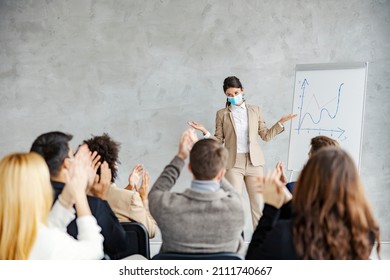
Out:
{"x": 53, "y": 242}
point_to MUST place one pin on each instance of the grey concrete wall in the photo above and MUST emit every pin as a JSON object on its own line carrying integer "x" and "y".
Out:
{"x": 140, "y": 69}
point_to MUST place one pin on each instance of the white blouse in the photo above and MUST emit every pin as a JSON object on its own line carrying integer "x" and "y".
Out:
{"x": 53, "y": 242}
{"x": 240, "y": 117}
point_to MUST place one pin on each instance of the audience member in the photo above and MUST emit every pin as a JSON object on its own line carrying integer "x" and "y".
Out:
{"x": 316, "y": 143}
{"x": 54, "y": 147}
{"x": 209, "y": 216}
{"x": 131, "y": 203}
{"x": 28, "y": 228}
{"x": 331, "y": 217}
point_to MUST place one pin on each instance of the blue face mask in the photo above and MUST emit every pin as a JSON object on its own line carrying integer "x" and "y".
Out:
{"x": 235, "y": 100}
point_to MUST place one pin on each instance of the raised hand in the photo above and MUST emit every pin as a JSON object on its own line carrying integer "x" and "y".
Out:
{"x": 143, "y": 190}
{"x": 95, "y": 161}
{"x": 76, "y": 179}
{"x": 280, "y": 168}
{"x": 198, "y": 126}
{"x": 102, "y": 183}
{"x": 92, "y": 170}
{"x": 273, "y": 189}
{"x": 135, "y": 176}
{"x": 287, "y": 118}
{"x": 187, "y": 140}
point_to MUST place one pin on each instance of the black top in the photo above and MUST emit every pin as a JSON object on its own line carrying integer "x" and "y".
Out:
{"x": 116, "y": 242}
{"x": 290, "y": 186}
{"x": 272, "y": 239}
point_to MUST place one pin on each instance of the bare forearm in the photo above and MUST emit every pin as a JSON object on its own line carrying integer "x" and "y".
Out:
{"x": 82, "y": 207}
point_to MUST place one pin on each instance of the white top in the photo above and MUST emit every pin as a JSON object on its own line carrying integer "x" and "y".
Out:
{"x": 240, "y": 117}
{"x": 53, "y": 242}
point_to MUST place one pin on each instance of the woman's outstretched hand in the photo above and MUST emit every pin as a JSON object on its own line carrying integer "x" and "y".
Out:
{"x": 198, "y": 126}
{"x": 287, "y": 118}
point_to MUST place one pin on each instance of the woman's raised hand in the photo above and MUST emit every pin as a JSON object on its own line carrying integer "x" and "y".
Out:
{"x": 135, "y": 176}
{"x": 198, "y": 126}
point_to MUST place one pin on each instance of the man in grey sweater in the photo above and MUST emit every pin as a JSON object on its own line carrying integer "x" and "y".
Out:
{"x": 209, "y": 216}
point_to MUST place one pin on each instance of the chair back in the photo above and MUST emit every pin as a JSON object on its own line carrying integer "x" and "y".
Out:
{"x": 139, "y": 237}
{"x": 198, "y": 256}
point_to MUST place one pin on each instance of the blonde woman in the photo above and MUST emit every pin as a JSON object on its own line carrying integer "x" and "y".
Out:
{"x": 29, "y": 228}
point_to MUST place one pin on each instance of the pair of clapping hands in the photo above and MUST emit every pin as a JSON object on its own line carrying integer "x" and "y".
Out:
{"x": 81, "y": 177}
{"x": 187, "y": 140}
{"x": 102, "y": 183}
{"x": 138, "y": 173}
{"x": 273, "y": 187}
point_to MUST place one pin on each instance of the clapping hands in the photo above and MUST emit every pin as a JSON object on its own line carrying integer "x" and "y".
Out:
{"x": 102, "y": 183}
{"x": 280, "y": 168}
{"x": 76, "y": 179}
{"x": 135, "y": 177}
{"x": 187, "y": 140}
{"x": 273, "y": 189}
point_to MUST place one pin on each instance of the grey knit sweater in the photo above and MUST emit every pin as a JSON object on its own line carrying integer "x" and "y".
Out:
{"x": 196, "y": 221}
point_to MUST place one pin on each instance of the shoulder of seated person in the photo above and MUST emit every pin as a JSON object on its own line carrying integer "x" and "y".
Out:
{"x": 94, "y": 200}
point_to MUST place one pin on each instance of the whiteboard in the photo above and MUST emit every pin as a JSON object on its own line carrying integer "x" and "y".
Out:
{"x": 329, "y": 100}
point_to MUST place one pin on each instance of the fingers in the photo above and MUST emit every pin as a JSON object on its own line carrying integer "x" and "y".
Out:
{"x": 83, "y": 152}
{"x": 287, "y": 117}
{"x": 187, "y": 140}
{"x": 273, "y": 192}
{"x": 192, "y": 123}
{"x": 290, "y": 116}
{"x": 135, "y": 175}
{"x": 105, "y": 173}
{"x": 145, "y": 180}
{"x": 146, "y": 177}
{"x": 143, "y": 190}
{"x": 196, "y": 125}
{"x": 193, "y": 136}
{"x": 95, "y": 161}
{"x": 280, "y": 167}
{"x": 102, "y": 183}
{"x": 138, "y": 169}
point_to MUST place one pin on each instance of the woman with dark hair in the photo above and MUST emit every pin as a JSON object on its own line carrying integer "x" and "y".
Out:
{"x": 331, "y": 216}
{"x": 237, "y": 126}
{"x": 131, "y": 203}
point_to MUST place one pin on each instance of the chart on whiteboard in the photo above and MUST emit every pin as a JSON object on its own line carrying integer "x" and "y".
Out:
{"x": 316, "y": 113}
{"x": 328, "y": 102}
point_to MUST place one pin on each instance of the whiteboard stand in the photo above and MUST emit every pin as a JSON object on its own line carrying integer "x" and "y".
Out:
{"x": 291, "y": 176}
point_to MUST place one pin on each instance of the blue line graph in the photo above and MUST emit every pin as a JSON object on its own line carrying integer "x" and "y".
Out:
{"x": 322, "y": 113}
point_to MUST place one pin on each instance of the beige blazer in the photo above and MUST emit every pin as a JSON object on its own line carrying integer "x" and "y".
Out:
{"x": 129, "y": 207}
{"x": 225, "y": 132}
